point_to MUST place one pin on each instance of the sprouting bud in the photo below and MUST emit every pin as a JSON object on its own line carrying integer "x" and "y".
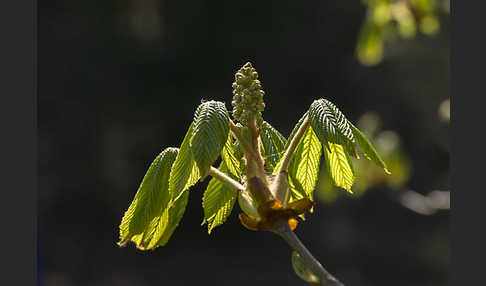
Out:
{"x": 248, "y": 204}
{"x": 247, "y": 95}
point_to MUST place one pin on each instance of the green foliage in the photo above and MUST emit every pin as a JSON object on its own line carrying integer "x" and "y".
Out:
{"x": 291, "y": 136}
{"x": 161, "y": 199}
{"x": 339, "y": 166}
{"x": 329, "y": 124}
{"x": 368, "y": 150}
{"x": 387, "y": 20}
{"x": 184, "y": 172}
{"x": 231, "y": 156}
{"x": 273, "y": 143}
{"x": 304, "y": 165}
{"x": 218, "y": 201}
{"x": 388, "y": 145}
{"x": 148, "y": 222}
{"x": 209, "y": 135}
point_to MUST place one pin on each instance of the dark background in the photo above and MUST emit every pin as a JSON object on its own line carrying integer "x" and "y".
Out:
{"x": 119, "y": 81}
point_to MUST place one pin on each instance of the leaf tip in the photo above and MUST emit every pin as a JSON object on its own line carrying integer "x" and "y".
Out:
{"x": 121, "y": 243}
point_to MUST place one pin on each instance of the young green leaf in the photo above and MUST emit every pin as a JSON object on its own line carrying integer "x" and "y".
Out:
{"x": 210, "y": 132}
{"x": 368, "y": 151}
{"x": 231, "y": 158}
{"x": 184, "y": 172}
{"x": 339, "y": 166}
{"x": 304, "y": 165}
{"x": 145, "y": 216}
{"x": 329, "y": 124}
{"x": 218, "y": 201}
{"x": 175, "y": 213}
{"x": 273, "y": 143}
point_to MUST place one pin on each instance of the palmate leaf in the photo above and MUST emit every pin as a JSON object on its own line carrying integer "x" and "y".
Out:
{"x": 329, "y": 124}
{"x": 184, "y": 172}
{"x": 339, "y": 166}
{"x": 273, "y": 143}
{"x": 304, "y": 165}
{"x": 218, "y": 201}
{"x": 231, "y": 157}
{"x": 153, "y": 213}
{"x": 368, "y": 151}
{"x": 209, "y": 134}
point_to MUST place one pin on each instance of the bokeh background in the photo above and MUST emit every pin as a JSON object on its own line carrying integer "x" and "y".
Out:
{"x": 119, "y": 81}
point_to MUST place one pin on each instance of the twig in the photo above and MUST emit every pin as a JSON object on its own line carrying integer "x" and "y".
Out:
{"x": 241, "y": 139}
{"x": 325, "y": 278}
{"x": 293, "y": 144}
{"x": 226, "y": 179}
{"x": 280, "y": 183}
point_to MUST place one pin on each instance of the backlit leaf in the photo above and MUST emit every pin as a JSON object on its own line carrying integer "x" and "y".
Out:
{"x": 218, "y": 201}
{"x": 231, "y": 157}
{"x": 184, "y": 172}
{"x": 145, "y": 220}
{"x": 368, "y": 150}
{"x": 339, "y": 166}
{"x": 304, "y": 164}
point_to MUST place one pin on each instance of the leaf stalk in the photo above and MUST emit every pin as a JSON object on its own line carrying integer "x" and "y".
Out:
{"x": 226, "y": 179}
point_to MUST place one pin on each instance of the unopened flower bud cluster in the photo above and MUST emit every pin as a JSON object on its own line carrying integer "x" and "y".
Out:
{"x": 247, "y": 95}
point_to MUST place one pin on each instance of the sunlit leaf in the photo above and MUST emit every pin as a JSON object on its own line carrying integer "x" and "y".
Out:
{"x": 368, "y": 150}
{"x": 145, "y": 220}
{"x": 231, "y": 157}
{"x": 175, "y": 213}
{"x": 218, "y": 201}
{"x": 339, "y": 166}
{"x": 210, "y": 132}
{"x": 304, "y": 165}
{"x": 184, "y": 172}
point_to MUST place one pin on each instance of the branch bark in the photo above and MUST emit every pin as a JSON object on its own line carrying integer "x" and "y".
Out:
{"x": 326, "y": 279}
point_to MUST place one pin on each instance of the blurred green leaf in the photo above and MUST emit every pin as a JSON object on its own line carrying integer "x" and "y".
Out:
{"x": 210, "y": 132}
